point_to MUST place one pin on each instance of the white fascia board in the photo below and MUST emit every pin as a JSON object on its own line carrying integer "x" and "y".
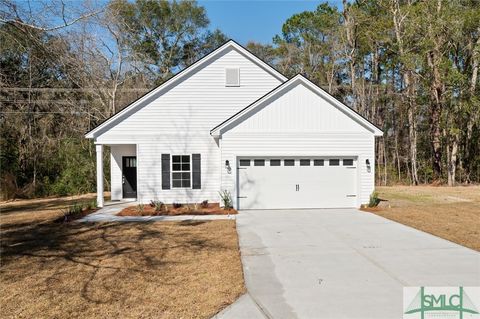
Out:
{"x": 179, "y": 77}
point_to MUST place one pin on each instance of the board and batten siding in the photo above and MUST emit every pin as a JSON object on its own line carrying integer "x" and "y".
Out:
{"x": 299, "y": 123}
{"x": 179, "y": 120}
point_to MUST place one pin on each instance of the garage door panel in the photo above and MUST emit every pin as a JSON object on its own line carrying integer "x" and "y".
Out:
{"x": 282, "y": 187}
{"x": 258, "y": 191}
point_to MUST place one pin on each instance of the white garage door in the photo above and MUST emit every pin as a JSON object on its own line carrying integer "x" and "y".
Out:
{"x": 280, "y": 183}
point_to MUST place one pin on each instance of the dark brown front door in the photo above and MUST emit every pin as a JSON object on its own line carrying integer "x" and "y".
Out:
{"x": 129, "y": 178}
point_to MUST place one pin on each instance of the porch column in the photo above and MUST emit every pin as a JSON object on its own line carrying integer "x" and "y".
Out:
{"x": 99, "y": 149}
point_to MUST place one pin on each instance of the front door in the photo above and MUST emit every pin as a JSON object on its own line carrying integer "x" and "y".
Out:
{"x": 129, "y": 176}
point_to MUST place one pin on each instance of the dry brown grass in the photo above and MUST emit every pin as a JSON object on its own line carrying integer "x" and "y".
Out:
{"x": 109, "y": 270}
{"x": 27, "y": 211}
{"x": 452, "y": 213}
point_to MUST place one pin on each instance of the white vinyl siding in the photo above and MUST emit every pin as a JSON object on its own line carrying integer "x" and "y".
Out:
{"x": 149, "y": 179}
{"x": 180, "y": 120}
{"x": 199, "y": 103}
{"x": 298, "y": 123}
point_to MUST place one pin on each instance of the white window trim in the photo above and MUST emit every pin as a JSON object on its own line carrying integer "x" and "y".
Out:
{"x": 171, "y": 171}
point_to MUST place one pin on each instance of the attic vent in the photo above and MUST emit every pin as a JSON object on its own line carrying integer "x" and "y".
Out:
{"x": 232, "y": 77}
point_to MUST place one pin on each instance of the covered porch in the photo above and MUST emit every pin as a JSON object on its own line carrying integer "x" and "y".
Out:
{"x": 123, "y": 172}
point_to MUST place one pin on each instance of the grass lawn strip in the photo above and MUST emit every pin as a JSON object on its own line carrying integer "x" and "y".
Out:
{"x": 452, "y": 213}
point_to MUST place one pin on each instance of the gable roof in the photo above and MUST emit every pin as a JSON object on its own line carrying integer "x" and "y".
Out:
{"x": 217, "y": 131}
{"x": 178, "y": 77}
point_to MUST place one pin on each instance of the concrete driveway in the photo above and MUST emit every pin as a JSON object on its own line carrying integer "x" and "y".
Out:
{"x": 342, "y": 263}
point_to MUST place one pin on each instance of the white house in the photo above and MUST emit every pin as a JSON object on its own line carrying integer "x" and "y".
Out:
{"x": 232, "y": 122}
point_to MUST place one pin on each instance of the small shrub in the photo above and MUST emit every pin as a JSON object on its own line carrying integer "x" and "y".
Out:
{"x": 374, "y": 200}
{"x": 140, "y": 208}
{"x": 204, "y": 204}
{"x": 177, "y": 205}
{"x": 73, "y": 210}
{"x": 157, "y": 204}
{"x": 91, "y": 204}
{"x": 226, "y": 199}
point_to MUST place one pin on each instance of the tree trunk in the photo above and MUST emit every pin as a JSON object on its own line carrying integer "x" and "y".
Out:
{"x": 351, "y": 44}
{"x": 412, "y": 128}
{"x": 385, "y": 161}
{"x": 473, "y": 117}
{"x": 408, "y": 91}
{"x": 436, "y": 94}
{"x": 437, "y": 89}
{"x": 452, "y": 159}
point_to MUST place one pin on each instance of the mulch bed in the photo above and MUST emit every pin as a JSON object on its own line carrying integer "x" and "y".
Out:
{"x": 169, "y": 210}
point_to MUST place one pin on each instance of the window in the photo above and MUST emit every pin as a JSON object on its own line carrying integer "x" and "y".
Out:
{"x": 245, "y": 162}
{"x": 304, "y": 162}
{"x": 232, "y": 77}
{"x": 259, "y": 162}
{"x": 275, "y": 162}
{"x": 131, "y": 162}
{"x": 181, "y": 173}
{"x": 289, "y": 162}
{"x": 334, "y": 162}
{"x": 348, "y": 162}
{"x": 318, "y": 162}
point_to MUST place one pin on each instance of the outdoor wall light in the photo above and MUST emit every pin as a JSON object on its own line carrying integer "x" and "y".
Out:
{"x": 227, "y": 166}
{"x": 367, "y": 161}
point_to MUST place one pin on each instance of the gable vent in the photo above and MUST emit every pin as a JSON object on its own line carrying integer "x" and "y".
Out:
{"x": 232, "y": 77}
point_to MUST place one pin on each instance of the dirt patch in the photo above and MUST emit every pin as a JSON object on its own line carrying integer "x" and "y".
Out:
{"x": 170, "y": 210}
{"x": 452, "y": 213}
{"x": 108, "y": 270}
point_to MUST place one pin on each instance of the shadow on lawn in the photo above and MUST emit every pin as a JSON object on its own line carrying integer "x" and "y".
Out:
{"x": 97, "y": 256}
{"x": 44, "y": 205}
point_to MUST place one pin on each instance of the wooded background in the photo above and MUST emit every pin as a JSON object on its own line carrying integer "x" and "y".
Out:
{"x": 411, "y": 67}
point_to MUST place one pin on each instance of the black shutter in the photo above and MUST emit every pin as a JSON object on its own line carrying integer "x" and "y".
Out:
{"x": 165, "y": 171}
{"x": 196, "y": 171}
